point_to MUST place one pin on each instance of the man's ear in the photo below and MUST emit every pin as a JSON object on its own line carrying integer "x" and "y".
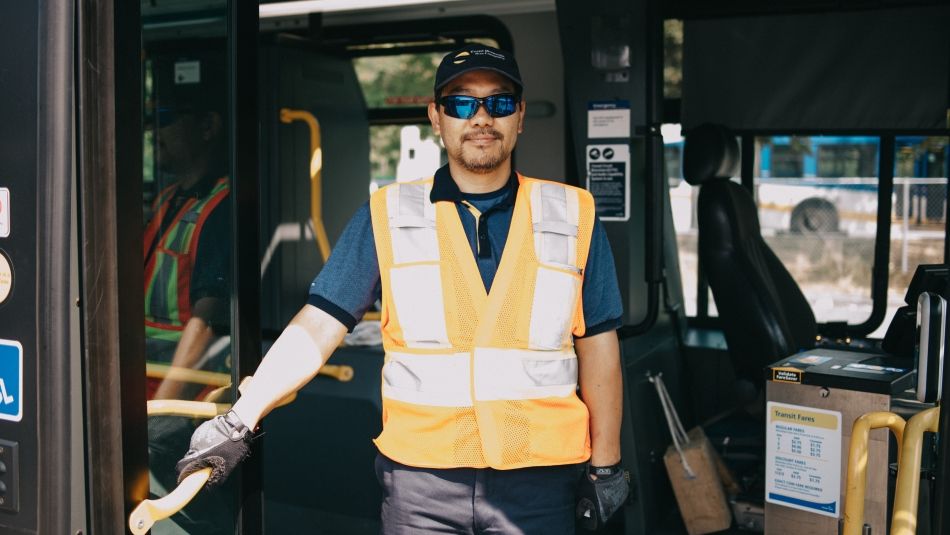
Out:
{"x": 433, "y": 111}
{"x": 524, "y": 104}
{"x": 210, "y": 125}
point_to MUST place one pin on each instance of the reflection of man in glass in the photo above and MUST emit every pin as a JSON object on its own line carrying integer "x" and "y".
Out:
{"x": 187, "y": 247}
{"x": 187, "y": 254}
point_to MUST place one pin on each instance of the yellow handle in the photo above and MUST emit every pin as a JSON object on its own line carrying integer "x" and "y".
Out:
{"x": 858, "y": 464}
{"x": 340, "y": 372}
{"x": 904, "y": 520}
{"x": 288, "y": 115}
{"x": 186, "y": 375}
{"x": 192, "y": 409}
{"x": 147, "y": 513}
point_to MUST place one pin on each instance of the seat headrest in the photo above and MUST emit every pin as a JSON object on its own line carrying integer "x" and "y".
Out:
{"x": 710, "y": 153}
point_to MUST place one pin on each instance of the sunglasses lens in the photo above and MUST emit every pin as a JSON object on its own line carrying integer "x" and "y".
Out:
{"x": 500, "y": 105}
{"x": 460, "y": 107}
{"x": 465, "y": 107}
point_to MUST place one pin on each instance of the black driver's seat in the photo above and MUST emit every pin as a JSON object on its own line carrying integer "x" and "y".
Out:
{"x": 764, "y": 314}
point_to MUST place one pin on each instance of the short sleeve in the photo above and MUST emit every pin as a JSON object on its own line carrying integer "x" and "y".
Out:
{"x": 349, "y": 283}
{"x": 211, "y": 272}
{"x": 603, "y": 307}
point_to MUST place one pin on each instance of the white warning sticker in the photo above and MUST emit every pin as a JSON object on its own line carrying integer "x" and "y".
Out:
{"x": 4, "y": 212}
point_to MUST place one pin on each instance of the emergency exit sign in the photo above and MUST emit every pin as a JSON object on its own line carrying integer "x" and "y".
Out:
{"x": 4, "y": 212}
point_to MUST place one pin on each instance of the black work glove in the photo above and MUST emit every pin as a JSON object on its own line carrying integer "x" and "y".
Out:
{"x": 603, "y": 490}
{"x": 219, "y": 444}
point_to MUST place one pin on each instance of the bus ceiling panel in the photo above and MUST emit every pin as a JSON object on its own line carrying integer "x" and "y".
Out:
{"x": 417, "y": 36}
{"x": 867, "y": 70}
{"x": 700, "y": 9}
{"x": 350, "y": 12}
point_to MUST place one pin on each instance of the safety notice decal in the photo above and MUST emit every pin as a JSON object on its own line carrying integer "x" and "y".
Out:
{"x": 11, "y": 380}
{"x": 608, "y": 180}
{"x": 4, "y": 212}
{"x": 803, "y": 462}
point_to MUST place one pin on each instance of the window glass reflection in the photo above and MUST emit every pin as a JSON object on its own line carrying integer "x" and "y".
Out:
{"x": 188, "y": 242}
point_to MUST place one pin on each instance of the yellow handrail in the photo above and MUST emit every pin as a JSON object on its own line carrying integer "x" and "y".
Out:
{"x": 288, "y": 116}
{"x": 180, "y": 407}
{"x": 340, "y": 372}
{"x": 858, "y": 464}
{"x": 904, "y": 521}
{"x": 147, "y": 513}
{"x": 186, "y": 375}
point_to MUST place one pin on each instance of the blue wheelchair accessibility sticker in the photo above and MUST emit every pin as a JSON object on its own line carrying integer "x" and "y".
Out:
{"x": 11, "y": 380}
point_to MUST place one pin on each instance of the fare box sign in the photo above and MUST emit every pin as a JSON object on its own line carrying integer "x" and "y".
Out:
{"x": 803, "y": 462}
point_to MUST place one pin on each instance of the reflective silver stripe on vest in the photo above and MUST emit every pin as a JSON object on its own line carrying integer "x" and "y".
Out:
{"x": 554, "y": 217}
{"x": 415, "y": 278}
{"x": 412, "y": 224}
{"x": 435, "y": 380}
{"x": 502, "y": 374}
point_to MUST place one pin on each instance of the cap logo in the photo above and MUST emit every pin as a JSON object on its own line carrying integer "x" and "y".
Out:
{"x": 462, "y": 55}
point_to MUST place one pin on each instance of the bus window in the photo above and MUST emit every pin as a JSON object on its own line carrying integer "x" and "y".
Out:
{"x": 782, "y": 157}
{"x": 188, "y": 239}
{"x": 817, "y": 198}
{"x": 919, "y": 212}
{"x": 672, "y": 58}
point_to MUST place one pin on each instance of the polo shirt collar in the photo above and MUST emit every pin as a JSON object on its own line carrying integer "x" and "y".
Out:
{"x": 444, "y": 187}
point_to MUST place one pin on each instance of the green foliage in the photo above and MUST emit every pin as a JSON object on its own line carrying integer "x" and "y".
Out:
{"x": 403, "y": 80}
{"x": 387, "y": 80}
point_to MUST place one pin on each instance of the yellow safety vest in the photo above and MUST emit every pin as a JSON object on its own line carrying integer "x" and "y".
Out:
{"x": 476, "y": 379}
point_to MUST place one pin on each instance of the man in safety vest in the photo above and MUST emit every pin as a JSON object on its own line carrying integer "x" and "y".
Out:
{"x": 499, "y": 299}
{"x": 187, "y": 250}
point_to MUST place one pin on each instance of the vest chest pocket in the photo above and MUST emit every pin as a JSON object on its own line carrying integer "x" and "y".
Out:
{"x": 419, "y": 303}
{"x": 414, "y": 239}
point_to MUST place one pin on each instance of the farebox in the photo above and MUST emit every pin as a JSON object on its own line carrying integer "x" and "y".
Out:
{"x": 813, "y": 399}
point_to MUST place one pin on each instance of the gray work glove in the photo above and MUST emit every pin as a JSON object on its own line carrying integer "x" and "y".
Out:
{"x": 603, "y": 490}
{"x": 220, "y": 444}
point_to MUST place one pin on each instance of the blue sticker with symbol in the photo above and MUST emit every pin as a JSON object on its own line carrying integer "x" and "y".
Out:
{"x": 11, "y": 380}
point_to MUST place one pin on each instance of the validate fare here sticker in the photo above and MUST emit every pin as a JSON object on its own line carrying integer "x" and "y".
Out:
{"x": 803, "y": 461}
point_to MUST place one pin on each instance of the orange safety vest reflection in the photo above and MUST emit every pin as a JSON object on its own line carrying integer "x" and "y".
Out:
{"x": 170, "y": 259}
{"x": 476, "y": 379}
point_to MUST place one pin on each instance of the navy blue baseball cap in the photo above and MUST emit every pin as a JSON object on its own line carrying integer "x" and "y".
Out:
{"x": 474, "y": 57}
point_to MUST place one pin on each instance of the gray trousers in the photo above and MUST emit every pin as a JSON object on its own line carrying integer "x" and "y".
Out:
{"x": 525, "y": 501}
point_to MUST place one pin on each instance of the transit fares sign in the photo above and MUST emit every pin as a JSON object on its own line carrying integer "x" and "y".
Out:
{"x": 803, "y": 461}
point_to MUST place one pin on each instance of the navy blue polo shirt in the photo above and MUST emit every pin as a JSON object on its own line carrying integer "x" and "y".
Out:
{"x": 349, "y": 283}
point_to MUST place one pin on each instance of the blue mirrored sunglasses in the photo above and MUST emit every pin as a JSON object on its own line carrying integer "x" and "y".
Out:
{"x": 465, "y": 107}
{"x": 166, "y": 115}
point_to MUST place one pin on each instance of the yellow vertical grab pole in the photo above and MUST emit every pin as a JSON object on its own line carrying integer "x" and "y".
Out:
{"x": 288, "y": 116}
{"x": 858, "y": 464}
{"x": 904, "y": 521}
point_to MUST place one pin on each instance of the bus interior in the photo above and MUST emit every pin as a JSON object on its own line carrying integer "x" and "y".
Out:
{"x": 772, "y": 177}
